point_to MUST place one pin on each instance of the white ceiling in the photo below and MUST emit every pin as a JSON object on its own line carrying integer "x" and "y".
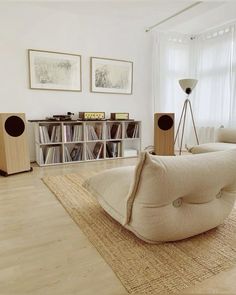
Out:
{"x": 203, "y": 17}
{"x": 145, "y": 13}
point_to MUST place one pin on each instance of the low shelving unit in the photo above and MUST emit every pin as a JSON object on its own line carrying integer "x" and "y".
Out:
{"x": 77, "y": 141}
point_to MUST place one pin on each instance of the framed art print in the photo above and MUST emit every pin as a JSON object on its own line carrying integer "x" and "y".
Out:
{"x": 50, "y": 70}
{"x": 111, "y": 75}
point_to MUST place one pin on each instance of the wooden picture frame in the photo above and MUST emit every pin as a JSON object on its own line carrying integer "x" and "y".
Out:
{"x": 49, "y": 70}
{"x": 111, "y": 76}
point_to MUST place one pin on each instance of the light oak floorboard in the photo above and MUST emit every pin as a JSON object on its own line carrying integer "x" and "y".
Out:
{"x": 42, "y": 251}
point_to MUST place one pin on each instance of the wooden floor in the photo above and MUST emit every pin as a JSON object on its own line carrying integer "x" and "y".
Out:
{"x": 42, "y": 251}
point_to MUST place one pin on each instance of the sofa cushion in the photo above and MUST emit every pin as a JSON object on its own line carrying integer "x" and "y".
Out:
{"x": 226, "y": 135}
{"x": 178, "y": 197}
{"x": 166, "y": 198}
{"x": 212, "y": 147}
{"x": 110, "y": 188}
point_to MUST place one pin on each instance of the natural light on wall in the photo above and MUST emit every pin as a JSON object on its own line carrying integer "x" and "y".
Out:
{"x": 210, "y": 58}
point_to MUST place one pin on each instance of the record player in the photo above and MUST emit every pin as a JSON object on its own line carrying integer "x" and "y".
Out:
{"x": 67, "y": 117}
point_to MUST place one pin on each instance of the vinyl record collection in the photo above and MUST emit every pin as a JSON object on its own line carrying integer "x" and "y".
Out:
{"x": 114, "y": 131}
{"x": 94, "y": 132}
{"x": 132, "y": 130}
{"x": 76, "y": 141}
{"x": 74, "y": 154}
{"x": 113, "y": 149}
{"x": 49, "y": 133}
{"x": 50, "y": 155}
{"x": 73, "y": 133}
{"x": 95, "y": 152}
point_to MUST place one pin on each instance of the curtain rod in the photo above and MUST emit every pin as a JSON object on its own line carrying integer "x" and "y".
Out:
{"x": 173, "y": 15}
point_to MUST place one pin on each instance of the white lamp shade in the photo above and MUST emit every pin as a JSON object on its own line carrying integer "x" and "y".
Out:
{"x": 188, "y": 84}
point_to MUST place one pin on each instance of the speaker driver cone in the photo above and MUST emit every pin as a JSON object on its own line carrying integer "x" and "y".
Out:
{"x": 14, "y": 126}
{"x": 165, "y": 122}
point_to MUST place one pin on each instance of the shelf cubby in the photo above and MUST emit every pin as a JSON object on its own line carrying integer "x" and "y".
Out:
{"x": 94, "y": 131}
{"x": 94, "y": 150}
{"x": 132, "y": 129}
{"x": 113, "y": 149}
{"x": 73, "y": 132}
{"x": 73, "y": 152}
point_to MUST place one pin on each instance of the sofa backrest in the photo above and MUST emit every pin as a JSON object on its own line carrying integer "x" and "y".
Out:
{"x": 196, "y": 179}
{"x": 227, "y": 135}
{"x": 173, "y": 198}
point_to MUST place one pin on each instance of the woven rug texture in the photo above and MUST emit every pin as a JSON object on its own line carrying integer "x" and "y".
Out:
{"x": 141, "y": 267}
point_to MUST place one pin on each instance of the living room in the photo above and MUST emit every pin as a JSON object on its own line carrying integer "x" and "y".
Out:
{"x": 59, "y": 232}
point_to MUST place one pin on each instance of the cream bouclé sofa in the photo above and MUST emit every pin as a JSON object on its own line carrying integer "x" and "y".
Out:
{"x": 225, "y": 140}
{"x": 168, "y": 198}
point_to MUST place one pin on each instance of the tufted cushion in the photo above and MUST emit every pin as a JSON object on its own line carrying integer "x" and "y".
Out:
{"x": 170, "y": 198}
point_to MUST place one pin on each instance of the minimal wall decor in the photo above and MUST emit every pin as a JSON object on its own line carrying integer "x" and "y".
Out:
{"x": 50, "y": 70}
{"x": 111, "y": 75}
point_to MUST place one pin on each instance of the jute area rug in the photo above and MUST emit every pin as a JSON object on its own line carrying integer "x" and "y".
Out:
{"x": 144, "y": 268}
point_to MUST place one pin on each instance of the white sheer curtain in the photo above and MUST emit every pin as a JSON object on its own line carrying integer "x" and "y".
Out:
{"x": 171, "y": 63}
{"x": 214, "y": 95}
{"x": 209, "y": 57}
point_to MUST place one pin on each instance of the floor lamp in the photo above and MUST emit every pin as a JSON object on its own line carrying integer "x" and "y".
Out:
{"x": 187, "y": 85}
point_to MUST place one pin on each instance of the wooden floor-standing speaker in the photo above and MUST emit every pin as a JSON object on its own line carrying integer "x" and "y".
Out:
{"x": 14, "y": 150}
{"x": 164, "y": 134}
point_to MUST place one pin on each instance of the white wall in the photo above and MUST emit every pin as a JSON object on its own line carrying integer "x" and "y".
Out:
{"x": 86, "y": 29}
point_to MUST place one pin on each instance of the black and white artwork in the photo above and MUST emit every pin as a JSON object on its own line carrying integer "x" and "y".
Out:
{"x": 111, "y": 75}
{"x": 54, "y": 70}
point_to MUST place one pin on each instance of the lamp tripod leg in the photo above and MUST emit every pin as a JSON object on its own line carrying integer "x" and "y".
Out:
{"x": 180, "y": 121}
{"x": 194, "y": 127}
{"x": 182, "y": 135}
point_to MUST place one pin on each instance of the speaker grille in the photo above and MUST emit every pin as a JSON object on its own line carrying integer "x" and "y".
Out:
{"x": 165, "y": 122}
{"x": 14, "y": 126}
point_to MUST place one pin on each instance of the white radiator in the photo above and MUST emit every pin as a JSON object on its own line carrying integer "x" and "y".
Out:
{"x": 206, "y": 134}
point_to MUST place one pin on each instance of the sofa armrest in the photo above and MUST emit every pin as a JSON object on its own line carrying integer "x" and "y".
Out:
{"x": 111, "y": 188}
{"x": 227, "y": 135}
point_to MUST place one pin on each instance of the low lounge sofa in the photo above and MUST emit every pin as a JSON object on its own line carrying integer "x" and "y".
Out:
{"x": 169, "y": 198}
{"x": 225, "y": 140}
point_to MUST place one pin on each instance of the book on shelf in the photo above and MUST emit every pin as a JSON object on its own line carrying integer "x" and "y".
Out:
{"x": 67, "y": 133}
{"x": 89, "y": 153}
{"x": 98, "y": 150}
{"x": 41, "y": 156}
{"x": 43, "y": 134}
{"x": 98, "y": 129}
{"x": 77, "y": 133}
{"x": 94, "y": 132}
{"x": 56, "y": 134}
{"x": 52, "y": 155}
{"x": 73, "y": 133}
{"x": 67, "y": 155}
{"x": 76, "y": 154}
{"x": 41, "y": 137}
{"x": 132, "y": 130}
{"x": 47, "y": 135}
{"x": 113, "y": 149}
{"x": 114, "y": 131}
{"x": 95, "y": 152}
